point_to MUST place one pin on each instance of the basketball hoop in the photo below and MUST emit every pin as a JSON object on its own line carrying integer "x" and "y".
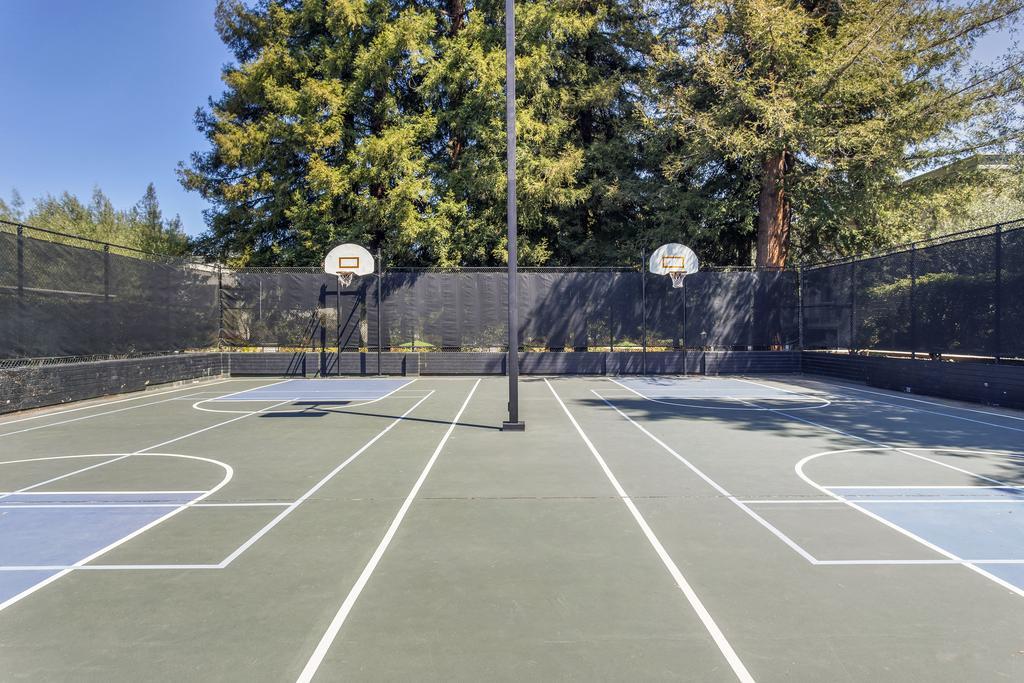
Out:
{"x": 674, "y": 260}
{"x": 347, "y": 262}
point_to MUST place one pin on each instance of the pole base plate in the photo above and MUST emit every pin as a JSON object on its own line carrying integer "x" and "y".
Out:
{"x": 513, "y": 426}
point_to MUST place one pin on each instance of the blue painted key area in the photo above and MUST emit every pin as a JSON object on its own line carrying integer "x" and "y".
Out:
{"x": 60, "y": 529}
{"x": 974, "y": 523}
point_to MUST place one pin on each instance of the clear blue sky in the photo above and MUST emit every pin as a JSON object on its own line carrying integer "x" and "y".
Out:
{"x": 102, "y": 93}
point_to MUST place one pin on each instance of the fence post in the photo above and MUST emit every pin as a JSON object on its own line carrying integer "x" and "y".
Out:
{"x": 21, "y": 261}
{"x": 19, "y": 330}
{"x": 643, "y": 304}
{"x": 108, "y": 322}
{"x": 800, "y": 307}
{"x": 220, "y": 307}
{"x": 998, "y": 295}
{"x": 853, "y": 304}
{"x": 684, "y": 314}
{"x": 337, "y": 326}
{"x": 611, "y": 320}
{"x": 380, "y": 331}
{"x": 106, "y": 272}
{"x": 913, "y": 301}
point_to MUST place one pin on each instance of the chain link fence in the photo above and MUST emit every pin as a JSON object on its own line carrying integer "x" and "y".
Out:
{"x": 960, "y": 294}
{"x": 70, "y": 297}
{"x": 64, "y": 296}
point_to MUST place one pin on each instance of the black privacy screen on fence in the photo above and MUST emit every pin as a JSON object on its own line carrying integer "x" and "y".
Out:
{"x": 466, "y": 310}
{"x": 59, "y": 299}
{"x": 960, "y": 294}
{"x": 289, "y": 308}
{"x": 67, "y": 296}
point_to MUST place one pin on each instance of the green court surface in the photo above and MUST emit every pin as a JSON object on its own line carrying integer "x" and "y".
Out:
{"x": 769, "y": 529}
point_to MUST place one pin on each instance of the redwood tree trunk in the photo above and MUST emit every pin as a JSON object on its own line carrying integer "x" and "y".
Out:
{"x": 773, "y": 213}
{"x": 456, "y": 10}
{"x": 456, "y": 16}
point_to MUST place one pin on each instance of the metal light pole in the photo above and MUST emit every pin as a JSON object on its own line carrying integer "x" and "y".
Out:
{"x": 513, "y": 423}
{"x": 380, "y": 331}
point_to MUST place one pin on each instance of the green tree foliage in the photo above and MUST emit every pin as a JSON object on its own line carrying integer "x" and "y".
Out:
{"x": 815, "y": 109}
{"x": 382, "y": 122}
{"x": 738, "y": 126}
{"x": 965, "y": 196}
{"x": 140, "y": 227}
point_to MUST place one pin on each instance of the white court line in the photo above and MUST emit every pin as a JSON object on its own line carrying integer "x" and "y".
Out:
{"x": 290, "y": 506}
{"x": 799, "y": 469}
{"x": 111, "y": 412}
{"x": 905, "y": 451}
{"x": 776, "y": 501}
{"x": 305, "y": 397}
{"x": 197, "y": 404}
{"x": 301, "y": 397}
{"x": 819, "y": 402}
{"x": 240, "y": 505}
{"x": 900, "y": 397}
{"x": 88, "y": 493}
{"x": 35, "y": 506}
{"x": 317, "y": 486}
{"x": 714, "y": 484}
{"x": 242, "y": 391}
{"x": 89, "y": 417}
{"x": 952, "y": 559}
{"x": 101, "y": 567}
{"x": 929, "y": 486}
{"x": 62, "y": 476}
{"x": 228, "y": 474}
{"x": 339, "y": 619}
{"x": 165, "y": 567}
{"x": 842, "y": 563}
{"x": 128, "y": 455}
{"x": 101, "y": 403}
{"x": 901, "y": 501}
{"x": 705, "y": 617}
{"x": 930, "y": 412}
{"x": 247, "y": 389}
{"x": 766, "y": 386}
{"x": 98, "y": 553}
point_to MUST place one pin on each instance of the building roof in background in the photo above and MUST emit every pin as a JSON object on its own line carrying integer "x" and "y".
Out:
{"x": 978, "y": 162}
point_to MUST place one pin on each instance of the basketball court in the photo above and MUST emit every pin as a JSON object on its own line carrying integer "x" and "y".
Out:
{"x": 695, "y": 528}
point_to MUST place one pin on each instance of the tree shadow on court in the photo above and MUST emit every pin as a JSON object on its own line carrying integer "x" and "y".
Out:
{"x": 1010, "y": 471}
{"x": 844, "y": 424}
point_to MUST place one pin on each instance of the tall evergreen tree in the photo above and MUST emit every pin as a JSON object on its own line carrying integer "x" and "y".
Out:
{"x": 318, "y": 138}
{"x": 605, "y": 63}
{"x": 381, "y": 122}
{"x": 820, "y": 107}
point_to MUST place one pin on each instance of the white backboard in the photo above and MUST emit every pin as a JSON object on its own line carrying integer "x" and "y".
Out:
{"x": 349, "y": 258}
{"x": 673, "y": 258}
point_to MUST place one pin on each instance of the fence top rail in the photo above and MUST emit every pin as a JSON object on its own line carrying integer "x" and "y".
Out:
{"x": 907, "y": 247}
{"x": 984, "y": 231}
{"x": 14, "y": 226}
{"x": 499, "y": 269}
